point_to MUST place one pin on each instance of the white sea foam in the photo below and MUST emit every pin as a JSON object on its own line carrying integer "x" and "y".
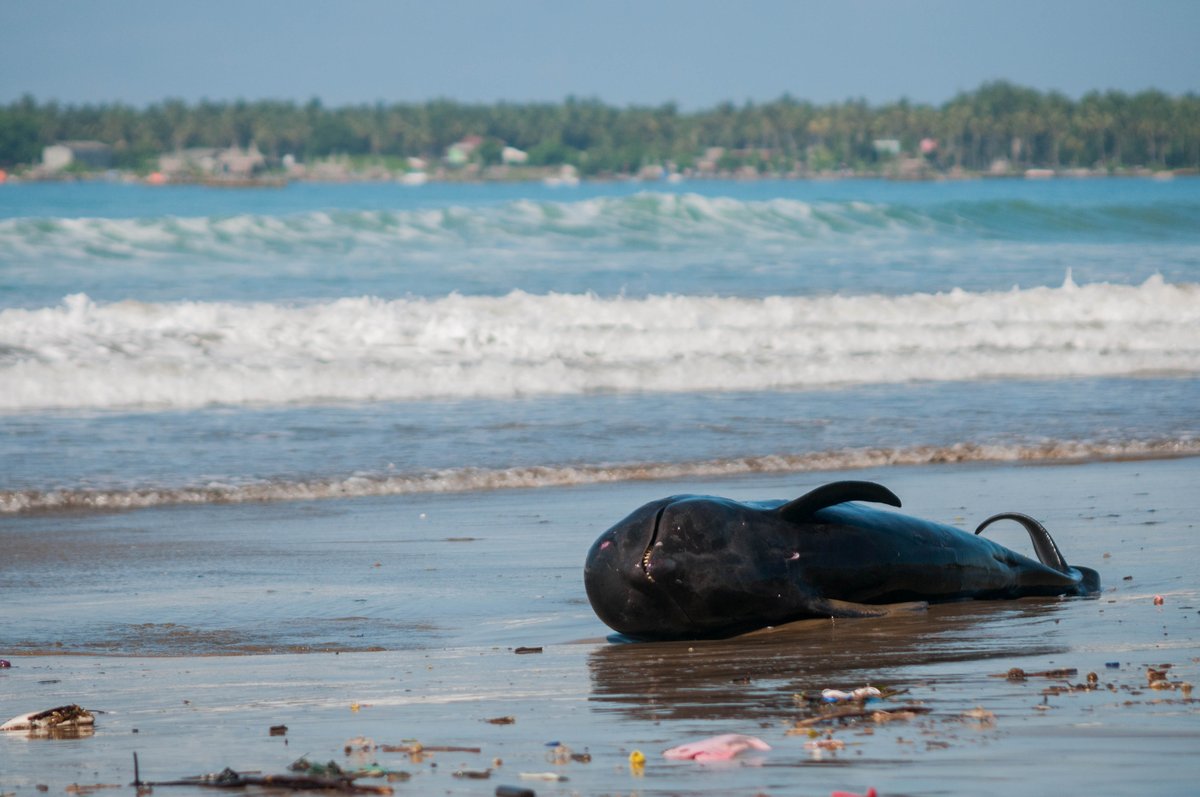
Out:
{"x": 481, "y": 479}
{"x": 188, "y": 354}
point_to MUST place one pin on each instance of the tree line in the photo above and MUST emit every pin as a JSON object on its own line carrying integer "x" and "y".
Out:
{"x": 999, "y": 120}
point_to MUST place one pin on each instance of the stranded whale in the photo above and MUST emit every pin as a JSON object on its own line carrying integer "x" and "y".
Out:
{"x": 692, "y": 566}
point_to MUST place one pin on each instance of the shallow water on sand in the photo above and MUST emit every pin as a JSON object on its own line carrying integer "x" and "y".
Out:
{"x": 396, "y": 618}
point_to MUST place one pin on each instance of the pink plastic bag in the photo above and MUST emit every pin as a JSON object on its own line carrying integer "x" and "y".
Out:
{"x": 716, "y": 748}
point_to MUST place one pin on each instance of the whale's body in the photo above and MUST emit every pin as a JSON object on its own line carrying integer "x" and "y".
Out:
{"x": 698, "y": 566}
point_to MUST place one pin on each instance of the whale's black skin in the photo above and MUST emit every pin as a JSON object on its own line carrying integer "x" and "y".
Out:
{"x": 692, "y": 566}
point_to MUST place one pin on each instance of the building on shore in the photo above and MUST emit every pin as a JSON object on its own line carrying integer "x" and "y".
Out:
{"x": 209, "y": 162}
{"x": 87, "y": 154}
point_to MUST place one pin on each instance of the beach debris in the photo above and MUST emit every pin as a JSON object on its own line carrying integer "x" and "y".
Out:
{"x": 869, "y": 793}
{"x": 863, "y": 693}
{"x": 860, "y": 694}
{"x": 52, "y": 720}
{"x": 558, "y": 754}
{"x": 521, "y": 651}
{"x": 980, "y": 717}
{"x": 1112, "y": 665}
{"x": 878, "y": 715}
{"x": 514, "y": 791}
{"x": 1017, "y": 674}
{"x": 716, "y": 748}
{"x": 302, "y": 764}
{"x": 550, "y": 777}
{"x": 417, "y": 747}
{"x": 230, "y": 779}
{"x": 5, "y": 664}
{"x": 826, "y": 743}
{"x": 501, "y": 720}
{"x": 415, "y": 750}
{"x": 1158, "y": 600}
{"x": 90, "y": 788}
{"x": 1157, "y": 678}
{"x": 334, "y": 770}
{"x": 473, "y": 774}
{"x": 359, "y": 744}
{"x": 277, "y": 730}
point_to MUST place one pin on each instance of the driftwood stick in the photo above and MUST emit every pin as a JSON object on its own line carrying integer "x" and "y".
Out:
{"x": 847, "y": 713}
{"x": 426, "y": 748}
{"x": 232, "y": 780}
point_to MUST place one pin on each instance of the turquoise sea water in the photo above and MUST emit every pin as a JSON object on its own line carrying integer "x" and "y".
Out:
{"x": 190, "y": 344}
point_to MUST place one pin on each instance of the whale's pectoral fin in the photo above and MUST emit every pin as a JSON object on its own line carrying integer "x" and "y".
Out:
{"x": 1043, "y": 543}
{"x": 828, "y": 607}
{"x": 836, "y": 493}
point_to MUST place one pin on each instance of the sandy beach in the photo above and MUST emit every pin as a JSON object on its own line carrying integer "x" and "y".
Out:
{"x": 191, "y": 631}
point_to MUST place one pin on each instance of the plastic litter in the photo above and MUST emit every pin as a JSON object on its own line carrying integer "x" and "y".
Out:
{"x": 331, "y": 769}
{"x": 547, "y": 776}
{"x": 514, "y": 791}
{"x": 559, "y": 754}
{"x": 716, "y": 748}
{"x": 838, "y": 696}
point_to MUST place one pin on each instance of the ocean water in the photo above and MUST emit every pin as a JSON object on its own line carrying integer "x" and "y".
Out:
{"x": 167, "y": 345}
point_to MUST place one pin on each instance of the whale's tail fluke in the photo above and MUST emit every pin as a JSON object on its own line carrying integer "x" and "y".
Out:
{"x": 1043, "y": 543}
{"x": 1087, "y": 580}
{"x": 1091, "y": 580}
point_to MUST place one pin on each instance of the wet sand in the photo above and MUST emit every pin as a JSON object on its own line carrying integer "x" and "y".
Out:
{"x": 191, "y": 631}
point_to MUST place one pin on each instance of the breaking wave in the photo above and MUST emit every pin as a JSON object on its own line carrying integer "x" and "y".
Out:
{"x": 484, "y": 479}
{"x": 641, "y": 220}
{"x": 82, "y": 354}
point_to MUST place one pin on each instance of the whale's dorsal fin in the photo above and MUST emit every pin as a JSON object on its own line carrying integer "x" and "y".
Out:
{"x": 836, "y": 493}
{"x": 1043, "y": 543}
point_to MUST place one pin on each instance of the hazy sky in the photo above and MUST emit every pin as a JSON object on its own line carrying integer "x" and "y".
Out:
{"x": 694, "y": 52}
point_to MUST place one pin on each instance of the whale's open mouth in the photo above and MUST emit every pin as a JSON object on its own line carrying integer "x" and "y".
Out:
{"x": 651, "y": 543}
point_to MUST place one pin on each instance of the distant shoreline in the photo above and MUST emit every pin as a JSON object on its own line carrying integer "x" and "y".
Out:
{"x": 275, "y": 180}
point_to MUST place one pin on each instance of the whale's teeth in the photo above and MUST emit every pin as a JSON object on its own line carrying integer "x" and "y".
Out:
{"x": 646, "y": 563}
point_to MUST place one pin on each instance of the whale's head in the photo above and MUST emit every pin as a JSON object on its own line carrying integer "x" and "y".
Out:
{"x": 696, "y": 566}
{"x": 686, "y": 566}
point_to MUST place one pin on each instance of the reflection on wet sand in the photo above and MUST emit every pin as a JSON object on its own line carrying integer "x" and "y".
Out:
{"x": 755, "y": 676}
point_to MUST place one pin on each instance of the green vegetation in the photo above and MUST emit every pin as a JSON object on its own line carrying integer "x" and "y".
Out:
{"x": 997, "y": 123}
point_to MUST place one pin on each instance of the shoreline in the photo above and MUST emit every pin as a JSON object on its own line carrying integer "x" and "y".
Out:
{"x": 549, "y": 179}
{"x": 471, "y": 480}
